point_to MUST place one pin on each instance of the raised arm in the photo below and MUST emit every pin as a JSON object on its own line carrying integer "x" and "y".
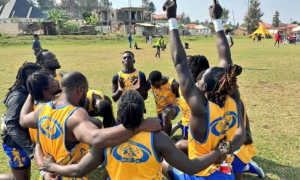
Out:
{"x": 178, "y": 159}
{"x": 116, "y": 92}
{"x": 190, "y": 92}
{"x": 28, "y": 117}
{"x": 88, "y": 133}
{"x": 223, "y": 48}
{"x": 88, "y": 163}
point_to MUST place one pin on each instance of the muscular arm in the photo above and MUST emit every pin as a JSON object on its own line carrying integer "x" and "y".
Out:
{"x": 28, "y": 117}
{"x": 178, "y": 159}
{"x": 175, "y": 88}
{"x": 223, "y": 49}
{"x": 88, "y": 133}
{"x": 38, "y": 154}
{"x": 89, "y": 162}
{"x": 116, "y": 94}
{"x": 249, "y": 139}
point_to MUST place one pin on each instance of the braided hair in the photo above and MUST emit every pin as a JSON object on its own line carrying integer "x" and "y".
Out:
{"x": 24, "y": 71}
{"x": 36, "y": 83}
{"x": 130, "y": 109}
{"x": 222, "y": 82}
{"x": 197, "y": 64}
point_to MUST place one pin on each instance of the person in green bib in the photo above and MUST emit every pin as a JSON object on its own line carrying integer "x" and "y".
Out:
{"x": 159, "y": 44}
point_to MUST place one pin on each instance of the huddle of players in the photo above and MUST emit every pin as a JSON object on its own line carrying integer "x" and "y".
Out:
{"x": 62, "y": 126}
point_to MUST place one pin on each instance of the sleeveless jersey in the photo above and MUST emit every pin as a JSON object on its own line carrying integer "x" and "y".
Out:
{"x": 184, "y": 108}
{"x": 127, "y": 77}
{"x": 164, "y": 96}
{"x": 221, "y": 121}
{"x": 51, "y": 123}
{"x": 135, "y": 159}
{"x": 58, "y": 77}
{"x": 246, "y": 152}
{"x": 89, "y": 97}
{"x": 33, "y": 132}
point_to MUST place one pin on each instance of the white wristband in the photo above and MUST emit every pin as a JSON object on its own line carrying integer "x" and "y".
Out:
{"x": 120, "y": 89}
{"x": 173, "y": 24}
{"x": 218, "y": 25}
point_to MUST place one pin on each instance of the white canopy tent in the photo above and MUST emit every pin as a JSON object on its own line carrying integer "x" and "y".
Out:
{"x": 296, "y": 29}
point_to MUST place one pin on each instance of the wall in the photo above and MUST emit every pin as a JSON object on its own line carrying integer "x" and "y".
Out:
{"x": 11, "y": 29}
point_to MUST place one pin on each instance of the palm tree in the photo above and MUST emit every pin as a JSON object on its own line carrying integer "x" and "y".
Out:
{"x": 58, "y": 17}
{"x": 91, "y": 20}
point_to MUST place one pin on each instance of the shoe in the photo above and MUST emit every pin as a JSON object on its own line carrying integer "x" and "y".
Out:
{"x": 254, "y": 168}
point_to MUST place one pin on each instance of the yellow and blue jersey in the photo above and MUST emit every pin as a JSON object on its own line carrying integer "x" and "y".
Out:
{"x": 127, "y": 77}
{"x": 164, "y": 96}
{"x": 184, "y": 108}
{"x": 51, "y": 133}
{"x": 89, "y": 97}
{"x": 246, "y": 152}
{"x": 33, "y": 132}
{"x": 135, "y": 159}
{"x": 222, "y": 121}
{"x": 58, "y": 77}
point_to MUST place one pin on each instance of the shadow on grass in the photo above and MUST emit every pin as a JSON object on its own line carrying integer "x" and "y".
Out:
{"x": 255, "y": 69}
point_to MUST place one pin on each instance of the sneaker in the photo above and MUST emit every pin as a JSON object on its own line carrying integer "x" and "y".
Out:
{"x": 254, "y": 168}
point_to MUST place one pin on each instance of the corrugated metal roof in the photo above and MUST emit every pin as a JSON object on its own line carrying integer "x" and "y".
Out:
{"x": 146, "y": 24}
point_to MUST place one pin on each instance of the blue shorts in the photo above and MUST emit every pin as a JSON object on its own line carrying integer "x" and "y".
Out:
{"x": 18, "y": 158}
{"x": 238, "y": 165}
{"x": 177, "y": 112}
{"x": 184, "y": 130}
{"x": 217, "y": 175}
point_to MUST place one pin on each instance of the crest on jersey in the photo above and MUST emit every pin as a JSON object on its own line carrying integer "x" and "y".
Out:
{"x": 131, "y": 152}
{"x": 50, "y": 127}
{"x": 222, "y": 124}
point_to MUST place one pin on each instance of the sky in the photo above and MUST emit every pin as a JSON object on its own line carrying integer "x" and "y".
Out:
{"x": 198, "y": 9}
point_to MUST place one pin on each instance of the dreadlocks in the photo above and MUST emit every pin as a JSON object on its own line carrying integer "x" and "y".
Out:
{"x": 24, "y": 71}
{"x": 36, "y": 83}
{"x": 222, "y": 82}
{"x": 197, "y": 64}
{"x": 130, "y": 109}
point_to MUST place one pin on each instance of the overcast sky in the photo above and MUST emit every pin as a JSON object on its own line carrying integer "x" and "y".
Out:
{"x": 198, "y": 9}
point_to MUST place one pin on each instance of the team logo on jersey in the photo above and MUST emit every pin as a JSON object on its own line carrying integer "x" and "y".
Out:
{"x": 132, "y": 152}
{"x": 50, "y": 127}
{"x": 222, "y": 124}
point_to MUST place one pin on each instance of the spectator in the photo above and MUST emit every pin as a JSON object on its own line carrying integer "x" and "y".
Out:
{"x": 36, "y": 45}
{"x": 130, "y": 40}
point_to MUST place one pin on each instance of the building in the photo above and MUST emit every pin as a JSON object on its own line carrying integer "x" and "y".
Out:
{"x": 240, "y": 31}
{"x": 191, "y": 26}
{"x": 145, "y": 29}
{"x": 202, "y": 30}
{"x": 20, "y": 17}
{"x": 123, "y": 16}
{"x": 162, "y": 18}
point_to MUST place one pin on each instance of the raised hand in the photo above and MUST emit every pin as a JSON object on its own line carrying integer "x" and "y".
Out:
{"x": 215, "y": 10}
{"x": 122, "y": 82}
{"x": 171, "y": 8}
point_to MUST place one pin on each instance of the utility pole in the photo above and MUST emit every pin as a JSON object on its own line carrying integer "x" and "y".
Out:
{"x": 233, "y": 18}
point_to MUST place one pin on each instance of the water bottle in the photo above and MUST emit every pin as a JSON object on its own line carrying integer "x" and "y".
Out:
{"x": 225, "y": 168}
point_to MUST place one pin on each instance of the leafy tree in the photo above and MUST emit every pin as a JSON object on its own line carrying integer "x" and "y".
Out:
{"x": 225, "y": 15}
{"x": 152, "y": 7}
{"x": 276, "y": 21}
{"x": 58, "y": 17}
{"x": 253, "y": 16}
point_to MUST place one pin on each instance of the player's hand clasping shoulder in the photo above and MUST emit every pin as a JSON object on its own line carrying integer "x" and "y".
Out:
{"x": 171, "y": 8}
{"x": 150, "y": 124}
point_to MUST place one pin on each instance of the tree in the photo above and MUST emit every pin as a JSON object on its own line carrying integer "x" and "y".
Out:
{"x": 91, "y": 20}
{"x": 86, "y": 14}
{"x": 196, "y": 22}
{"x": 185, "y": 19}
{"x": 225, "y": 15}
{"x": 58, "y": 17}
{"x": 152, "y": 7}
{"x": 211, "y": 26}
{"x": 40, "y": 23}
{"x": 2, "y": 2}
{"x": 105, "y": 4}
{"x": 46, "y": 5}
{"x": 276, "y": 21}
{"x": 237, "y": 25}
{"x": 253, "y": 16}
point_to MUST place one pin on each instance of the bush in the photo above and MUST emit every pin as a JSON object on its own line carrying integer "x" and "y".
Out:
{"x": 69, "y": 28}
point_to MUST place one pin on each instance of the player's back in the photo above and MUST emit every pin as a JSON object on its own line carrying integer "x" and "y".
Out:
{"x": 135, "y": 159}
{"x": 52, "y": 130}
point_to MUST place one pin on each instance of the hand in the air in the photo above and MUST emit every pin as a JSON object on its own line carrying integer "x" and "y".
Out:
{"x": 171, "y": 8}
{"x": 215, "y": 10}
{"x": 134, "y": 80}
{"x": 122, "y": 82}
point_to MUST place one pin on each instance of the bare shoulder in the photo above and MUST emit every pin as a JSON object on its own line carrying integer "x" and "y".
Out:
{"x": 77, "y": 117}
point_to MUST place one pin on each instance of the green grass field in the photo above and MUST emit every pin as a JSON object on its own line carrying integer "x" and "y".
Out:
{"x": 269, "y": 83}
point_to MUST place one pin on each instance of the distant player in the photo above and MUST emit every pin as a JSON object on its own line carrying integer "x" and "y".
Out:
{"x": 141, "y": 157}
{"x": 129, "y": 79}
{"x": 159, "y": 45}
{"x": 277, "y": 39}
{"x": 36, "y": 45}
{"x": 229, "y": 38}
{"x": 165, "y": 91}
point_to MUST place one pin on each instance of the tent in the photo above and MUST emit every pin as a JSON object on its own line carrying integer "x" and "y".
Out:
{"x": 263, "y": 31}
{"x": 296, "y": 29}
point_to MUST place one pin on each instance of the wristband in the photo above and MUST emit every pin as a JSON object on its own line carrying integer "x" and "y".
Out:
{"x": 173, "y": 24}
{"x": 121, "y": 89}
{"x": 42, "y": 174}
{"x": 218, "y": 25}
